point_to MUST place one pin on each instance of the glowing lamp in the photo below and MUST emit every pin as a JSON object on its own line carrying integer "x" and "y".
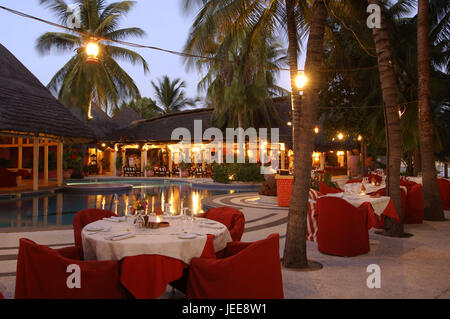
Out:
{"x": 359, "y": 138}
{"x": 316, "y": 130}
{"x": 301, "y": 80}
{"x": 340, "y": 136}
{"x": 92, "y": 51}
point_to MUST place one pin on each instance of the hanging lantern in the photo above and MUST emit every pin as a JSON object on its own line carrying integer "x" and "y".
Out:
{"x": 92, "y": 50}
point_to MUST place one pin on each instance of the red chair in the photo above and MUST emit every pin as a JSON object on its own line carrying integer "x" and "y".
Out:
{"x": 85, "y": 217}
{"x": 311, "y": 220}
{"x": 230, "y": 217}
{"x": 375, "y": 178}
{"x": 342, "y": 228}
{"x": 350, "y": 181}
{"x": 444, "y": 190}
{"x": 414, "y": 205}
{"x": 1, "y": 295}
{"x": 7, "y": 178}
{"x": 325, "y": 189}
{"x": 147, "y": 276}
{"x": 248, "y": 270}
{"x": 42, "y": 272}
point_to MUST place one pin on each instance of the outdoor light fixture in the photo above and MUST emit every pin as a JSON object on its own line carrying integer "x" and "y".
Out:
{"x": 359, "y": 138}
{"x": 289, "y": 123}
{"x": 340, "y": 136}
{"x": 92, "y": 50}
{"x": 316, "y": 130}
{"x": 301, "y": 80}
{"x": 103, "y": 144}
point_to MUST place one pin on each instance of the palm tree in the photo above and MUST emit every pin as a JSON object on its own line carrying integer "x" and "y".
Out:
{"x": 390, "y": 92}
{"x": 80, "y": 83}
{"x": 217, "y": 18}
{"x": 432, "y": 203}
{"x": 144, "y": 106}
{"x": 170, "y": 96}
{"x": 240, "y": 92}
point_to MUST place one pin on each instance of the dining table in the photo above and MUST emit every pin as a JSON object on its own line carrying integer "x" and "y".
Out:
{"x": 151, "y": 257}
{"x": 377, "y": 206}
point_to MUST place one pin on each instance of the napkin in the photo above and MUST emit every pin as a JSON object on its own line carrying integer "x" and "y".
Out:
{"x": 340, "y": 195}
{"x": 120, "y": 236}
{"x": 115, "y": 219}
{"x": 211, "y": 226}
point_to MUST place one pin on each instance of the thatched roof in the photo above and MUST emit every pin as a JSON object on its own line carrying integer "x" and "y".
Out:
{"x": 101, "y": 124}
{"x": 125, "y": 116}
{"x": 27, "y": 106}
{"x": 160, "y": 128}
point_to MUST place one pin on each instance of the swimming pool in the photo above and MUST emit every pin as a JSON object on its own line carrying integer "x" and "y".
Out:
{"x": 57, "y": 210}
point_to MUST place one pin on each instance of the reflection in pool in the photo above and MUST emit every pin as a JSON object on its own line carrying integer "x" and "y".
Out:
{"x": 59, "y": 209}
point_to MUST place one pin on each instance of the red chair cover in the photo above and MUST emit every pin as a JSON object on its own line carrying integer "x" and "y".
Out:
{"x": 42, "y": 273}
{"x": 1, "y": 295}
{"x": 147, "y": 276}
{"x": 311, "y": 221}
{"x": 7, "y": 178}
{"x": 249, "y": 270}
{"x": 350, "y": 181}
{"x": 325, "y": 189}
{"x": 414, "y": 205}
{"x": 444, "y": 190}
{"x": 230, "y": 217}
{"x": 85, "y": 217}
{"x": 380, "y": 219}
{"x": 375, "y": 178}
{"x": 343, "y": 228}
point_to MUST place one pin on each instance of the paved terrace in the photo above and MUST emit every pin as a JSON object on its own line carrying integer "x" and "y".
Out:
{"x": 415, "y": 267}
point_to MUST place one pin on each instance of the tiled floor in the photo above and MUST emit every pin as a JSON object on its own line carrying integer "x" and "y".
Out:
{"x": 415, "y": 267}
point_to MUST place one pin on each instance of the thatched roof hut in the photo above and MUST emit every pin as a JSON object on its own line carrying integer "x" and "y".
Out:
{"x": 27, "y": 107}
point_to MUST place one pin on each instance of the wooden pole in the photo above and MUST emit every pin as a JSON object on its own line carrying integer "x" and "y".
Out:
{"x": 36, "y": 164}
{"x": 59, "y": 163}
{"x": 46, "y": 162}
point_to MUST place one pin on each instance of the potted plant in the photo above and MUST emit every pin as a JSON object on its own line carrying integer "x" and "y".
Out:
{"x": 184, "y": 169}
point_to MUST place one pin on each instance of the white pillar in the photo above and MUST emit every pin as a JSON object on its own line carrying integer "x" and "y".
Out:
{"x": 59, "y": 163}
{"x": 322, "y": 161}
{"x": 169, "y": 155}
{"x": 283, "y": 159}
{"x": 113, "y": 162}
{"x": 36, "y": 164}
{"x": 349, "y": 171}
{"x": 20, "y": 152}
{"x": 46, "y": 162}
{"x": 143, "y": 161}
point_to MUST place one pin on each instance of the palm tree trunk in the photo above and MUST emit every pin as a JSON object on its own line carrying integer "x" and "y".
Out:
{"x": 304, "y": 118}
{"x": 393, "y": 139}
{"x": 417, "y": 162}
{"x": 431, "y": 197}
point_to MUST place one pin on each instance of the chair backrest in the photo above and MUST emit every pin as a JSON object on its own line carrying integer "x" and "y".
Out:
{"x": 336, "y": 212}
{"x": 85, "y": 217}
{"x": 1, "y": 295}
{"x": 253, "y": 272}
{"x": 44, "y": 273}
{"x": 325, "y": 189}
{"x": 230, "y": 217}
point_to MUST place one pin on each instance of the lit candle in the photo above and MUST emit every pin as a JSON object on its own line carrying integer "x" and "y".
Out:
{"x": 158, "y": 219}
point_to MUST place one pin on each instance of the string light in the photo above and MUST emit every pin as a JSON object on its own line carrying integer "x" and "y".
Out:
{"x": 183, "y": 54}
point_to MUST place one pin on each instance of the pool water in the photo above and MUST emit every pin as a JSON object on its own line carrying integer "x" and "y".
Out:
{"x": 59, "y": 209}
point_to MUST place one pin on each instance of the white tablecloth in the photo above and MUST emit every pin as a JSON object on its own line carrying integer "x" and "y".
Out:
{"x": 161, "y": 241}
{"x": 379, "y": 204}
{"x": 415, "y": 179}
{"x": 370, "y": 188}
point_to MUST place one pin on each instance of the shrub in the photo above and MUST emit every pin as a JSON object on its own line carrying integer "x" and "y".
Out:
{"x": 220, "y": 173}
{"x": 250, "y": 173}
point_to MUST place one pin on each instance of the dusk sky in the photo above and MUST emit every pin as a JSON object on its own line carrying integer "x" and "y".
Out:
{"x": 165, "y": 23}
